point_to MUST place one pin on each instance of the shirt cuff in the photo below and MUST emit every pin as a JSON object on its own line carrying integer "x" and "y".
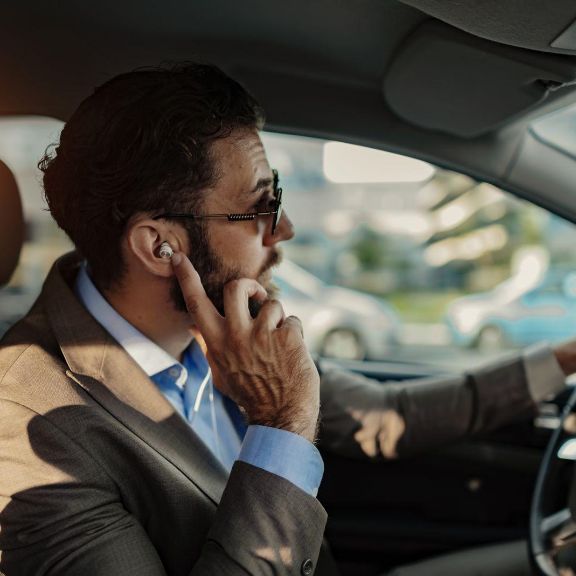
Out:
{"x": 543, "y": 373}
{"x": 285, "y": 454}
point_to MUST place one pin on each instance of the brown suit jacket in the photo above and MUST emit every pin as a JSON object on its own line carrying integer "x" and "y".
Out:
{"x": 99, "y": 475}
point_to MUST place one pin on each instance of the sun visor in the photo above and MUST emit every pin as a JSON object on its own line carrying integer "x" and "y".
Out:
{"x": 447, "y": 80}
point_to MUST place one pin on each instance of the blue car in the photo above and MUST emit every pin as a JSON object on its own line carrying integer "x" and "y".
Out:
{"x": 511, "y": 315}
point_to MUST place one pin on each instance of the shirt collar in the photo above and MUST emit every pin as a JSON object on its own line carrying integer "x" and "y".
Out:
{"x": 147, "y": 354}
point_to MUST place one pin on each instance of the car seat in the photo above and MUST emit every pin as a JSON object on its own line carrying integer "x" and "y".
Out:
{"x": 11, "y": 224}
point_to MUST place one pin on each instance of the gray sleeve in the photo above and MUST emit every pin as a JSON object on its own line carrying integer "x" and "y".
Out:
{"x": 543, "y": 373}
{"x": 362, "y": 417}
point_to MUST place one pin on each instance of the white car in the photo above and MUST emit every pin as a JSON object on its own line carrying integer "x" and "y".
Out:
{"x": 338, "y": 322}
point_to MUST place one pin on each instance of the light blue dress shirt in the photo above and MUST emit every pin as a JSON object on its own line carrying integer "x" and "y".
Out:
{"x": 217, "y": 422}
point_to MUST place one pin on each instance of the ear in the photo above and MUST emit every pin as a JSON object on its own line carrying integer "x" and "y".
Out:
{"x": 143, "y": 240}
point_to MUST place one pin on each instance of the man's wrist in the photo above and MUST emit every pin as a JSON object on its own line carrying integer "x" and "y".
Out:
{"x": 307, "y": 429}
{"x": 304, "y": 424}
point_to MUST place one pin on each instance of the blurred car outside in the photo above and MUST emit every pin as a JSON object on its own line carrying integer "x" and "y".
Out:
{"x": 338, "y": 322}
{"x": 14, "y": 303}
{"x": 513, "y": 316}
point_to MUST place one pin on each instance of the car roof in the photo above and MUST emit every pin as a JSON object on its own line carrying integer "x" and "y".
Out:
{"x": 454, "y": 83}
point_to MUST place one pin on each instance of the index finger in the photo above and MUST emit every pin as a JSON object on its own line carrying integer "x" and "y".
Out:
{"x": 199, "y": 306}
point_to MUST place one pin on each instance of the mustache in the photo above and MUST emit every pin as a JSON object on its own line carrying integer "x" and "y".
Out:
{"x": 275, "y": 259}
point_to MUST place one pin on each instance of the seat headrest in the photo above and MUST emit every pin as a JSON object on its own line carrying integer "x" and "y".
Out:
{"x": 11, "y": 224}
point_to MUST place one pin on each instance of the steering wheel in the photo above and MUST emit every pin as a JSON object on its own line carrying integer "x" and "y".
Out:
{"x": 552, "y": 516}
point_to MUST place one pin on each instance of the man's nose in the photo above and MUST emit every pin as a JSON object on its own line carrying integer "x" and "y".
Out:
{"x": 284, "y": 231}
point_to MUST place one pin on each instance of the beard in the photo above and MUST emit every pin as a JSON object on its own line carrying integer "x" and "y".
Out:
{"x": 214, "y": 275}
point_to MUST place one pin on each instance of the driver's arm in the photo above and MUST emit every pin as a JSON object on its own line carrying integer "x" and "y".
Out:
{"x": 364, "y": 417}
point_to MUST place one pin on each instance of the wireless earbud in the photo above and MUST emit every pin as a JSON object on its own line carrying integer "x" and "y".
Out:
{"x": 165, "y": 251}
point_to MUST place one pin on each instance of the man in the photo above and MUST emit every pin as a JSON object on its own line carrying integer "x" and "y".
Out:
{"x": 119, "y": 456}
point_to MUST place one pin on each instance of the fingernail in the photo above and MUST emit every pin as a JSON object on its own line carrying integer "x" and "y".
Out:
{"x": 176, "y": 258}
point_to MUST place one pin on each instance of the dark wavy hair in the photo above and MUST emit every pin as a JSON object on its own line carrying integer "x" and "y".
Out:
{"x": 140, "y": 144}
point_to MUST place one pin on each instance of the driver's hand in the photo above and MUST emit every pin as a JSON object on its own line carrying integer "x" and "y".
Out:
{"x": 261, "y": 363}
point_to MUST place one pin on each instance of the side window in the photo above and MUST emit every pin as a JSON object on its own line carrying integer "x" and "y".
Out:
{"x": 287, "y": 288}
{"x": 23, "y": 141}
{"x": 418, "y": 263}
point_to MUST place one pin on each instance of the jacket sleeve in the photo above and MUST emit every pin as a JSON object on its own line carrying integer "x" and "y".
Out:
{"x": 66, "y": 517}
{"x": 264, "y": 525}
{"x": 363, "y": 417}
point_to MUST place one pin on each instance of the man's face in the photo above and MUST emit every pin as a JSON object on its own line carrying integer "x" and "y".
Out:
{"x": 223, "y": 251}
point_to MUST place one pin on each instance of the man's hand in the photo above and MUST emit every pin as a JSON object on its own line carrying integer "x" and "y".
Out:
{"x": 261, "y": 363}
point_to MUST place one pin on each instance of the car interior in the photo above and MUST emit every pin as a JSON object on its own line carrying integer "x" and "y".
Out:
{"x": 465, "y": 86}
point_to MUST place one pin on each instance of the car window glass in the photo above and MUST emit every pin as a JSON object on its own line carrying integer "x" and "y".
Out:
{"x": 23, "y": 141}
{"x": 288, "y": 288}
{"x": 550, "y": 288}
{"x": 392, "y": 259}
{"x": 418, "y": 263}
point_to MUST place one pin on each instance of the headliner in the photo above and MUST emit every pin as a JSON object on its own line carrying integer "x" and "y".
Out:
{"x": 319, "y": 67}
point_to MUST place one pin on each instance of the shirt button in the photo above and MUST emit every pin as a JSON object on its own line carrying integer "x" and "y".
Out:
{"x": 307, "y": 567}
{"x": 174, "y": 372}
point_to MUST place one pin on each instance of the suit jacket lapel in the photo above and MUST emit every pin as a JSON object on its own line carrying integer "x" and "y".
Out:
{"x": 100, "y": 365}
